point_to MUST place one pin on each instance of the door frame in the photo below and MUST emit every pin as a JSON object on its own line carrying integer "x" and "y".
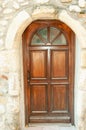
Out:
{"x": 25, "y": 74}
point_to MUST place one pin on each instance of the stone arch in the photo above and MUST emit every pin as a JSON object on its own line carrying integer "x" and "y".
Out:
{"x": 23, "y": 19}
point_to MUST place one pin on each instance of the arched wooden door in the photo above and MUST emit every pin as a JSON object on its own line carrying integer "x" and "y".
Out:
{"x": 48, "y": 55}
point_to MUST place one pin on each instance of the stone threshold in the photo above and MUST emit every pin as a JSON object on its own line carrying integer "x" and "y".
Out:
{"x": 52, "y": 126}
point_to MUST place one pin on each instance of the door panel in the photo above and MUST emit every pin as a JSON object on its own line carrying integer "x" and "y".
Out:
{"x": 59, "y": 64}
{"x": 48, "y": 51}
{"x": 39, "y": 98}
{"x": 59, "y": 98}
{"x": 38, "y": 62}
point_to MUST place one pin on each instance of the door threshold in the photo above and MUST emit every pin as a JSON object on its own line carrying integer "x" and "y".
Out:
{"x": 53, "y": 126}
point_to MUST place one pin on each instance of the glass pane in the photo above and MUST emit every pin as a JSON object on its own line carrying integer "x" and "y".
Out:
{"x": 61, "y": 40}
{"x": 36, "y": 41}
{"x": 40, "y": 38}
{"x": 53, "y": 33}
{"x": 43, "y": 33}
{"x": 56, "y": 37}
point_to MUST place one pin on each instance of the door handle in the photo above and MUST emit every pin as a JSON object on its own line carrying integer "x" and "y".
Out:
{"x": 28, "y": 76}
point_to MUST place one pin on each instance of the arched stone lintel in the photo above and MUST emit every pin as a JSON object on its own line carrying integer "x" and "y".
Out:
{"x": 23, "y": 19}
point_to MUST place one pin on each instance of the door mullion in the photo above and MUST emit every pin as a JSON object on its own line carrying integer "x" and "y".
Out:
{"x": 49, "y": 95}
{"x": 49, "y": 56}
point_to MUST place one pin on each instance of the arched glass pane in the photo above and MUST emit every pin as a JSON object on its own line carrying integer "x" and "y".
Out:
{"x": 57, "y": 37}
{"x": 40, "y": 38}
{"x": 36, "y": 40}
{"x": 49, "y": 36}
{"x": 43, "y": 33}
{"x": 53, "y": 33}
{"x": 60, "y": 40}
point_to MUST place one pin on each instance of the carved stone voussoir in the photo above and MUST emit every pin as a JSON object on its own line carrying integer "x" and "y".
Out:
{"x": 44, "y": 11}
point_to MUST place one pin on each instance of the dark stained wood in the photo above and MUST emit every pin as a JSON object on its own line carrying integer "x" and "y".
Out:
{"x": 38, "y": 62}
{"x": 59, "y": 98}
{"x": 48, "y": 34}
{"x": 48, "y": 75}
{"x": 38, "y": 98}
{"x": 58, "y": 64}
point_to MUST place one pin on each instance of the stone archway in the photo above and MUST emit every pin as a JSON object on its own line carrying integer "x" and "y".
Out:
{"x": 13, "y": 41}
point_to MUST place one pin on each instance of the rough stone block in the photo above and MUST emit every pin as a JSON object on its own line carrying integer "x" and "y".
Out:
{"x": 46, "y": 12}
{"x": 74, "y": 8}
{"x": 65, "y": 1}
{"x": 14, "y": 84}
{"x": 82, "y": 80}
{"x": 3, "y": 100}
{"x": 82, "y": 3}
{"x": 7, "y": 11}
{"x": 2, "y": 109}
{"x": 42, "y": 1}
{"x": 9, "y": 61}
{"x": 13, "y": 105}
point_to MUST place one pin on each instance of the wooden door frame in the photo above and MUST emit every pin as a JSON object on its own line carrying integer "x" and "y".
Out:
{"x": 25, "y": 66}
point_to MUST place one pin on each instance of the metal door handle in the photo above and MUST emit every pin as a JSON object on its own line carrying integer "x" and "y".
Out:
{"x": 28, "y": 76}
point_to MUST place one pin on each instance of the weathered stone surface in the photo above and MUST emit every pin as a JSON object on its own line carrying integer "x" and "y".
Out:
{"x": 3, "y": 84}
{"x": 4, "y": 3}
{"x": 1, "y": 34}
{"x": 2, "y": 28}
{"x": 20, "y": 1}
{"x": 82, "y": 110}
{"x": 0, "y": 9}
{"x": 3, "y": 90}
{"x": 45, "y": 12}
{"x": 25, "y": 3}
{"x": 66, "y": 1}
{"x": 82, "y": 3}
{"x": 2, "y": 122}
{"x": 11, "y": 108}
{"x": 3, "y": 22}
{"x": 3, "y": 100}
{"x": 9, "y": 60}
{"x": 82, "y": 79}
{"x": 43, "y": 9}
{"x": 12, "y": 121}
{"x": 16, "y": 5}
{"x": 1, "y": 42}
{"x": 14, "y": 84}
{"x": 8, "y": 11}
{"x": 42, "y": 1}
{"x": 74, "y": 8}
{"x": 82, "y": 15}
{"x": 2, "y": 109}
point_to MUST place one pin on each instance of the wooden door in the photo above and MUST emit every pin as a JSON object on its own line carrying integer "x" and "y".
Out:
{"x": 48, "y": 53}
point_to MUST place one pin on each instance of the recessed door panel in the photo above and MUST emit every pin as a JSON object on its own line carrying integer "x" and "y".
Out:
{"x": 59, "y": 98}
{"x": 39, "y": 98}
{"x": 59, "y": 64}
{"x": 38, "y": 62}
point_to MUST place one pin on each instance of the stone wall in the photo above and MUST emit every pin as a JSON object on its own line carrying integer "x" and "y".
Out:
{"x": 15, "y": 16}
